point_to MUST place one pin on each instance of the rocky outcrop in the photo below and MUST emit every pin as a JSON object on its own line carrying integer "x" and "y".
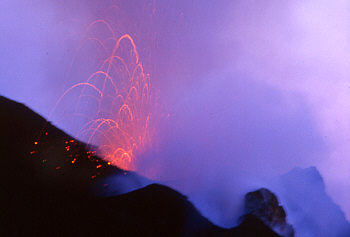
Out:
{"x": 264, "y": 205}
{"x": 252, "y": 226}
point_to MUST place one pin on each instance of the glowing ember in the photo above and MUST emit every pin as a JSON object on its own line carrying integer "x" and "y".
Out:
{"x": 119, "y": 92}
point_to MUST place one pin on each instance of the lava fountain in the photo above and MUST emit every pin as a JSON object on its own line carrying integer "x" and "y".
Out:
{"x": 113, "y": 105}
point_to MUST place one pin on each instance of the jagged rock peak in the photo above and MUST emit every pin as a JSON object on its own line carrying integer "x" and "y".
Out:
{"x": 264, "y": 205}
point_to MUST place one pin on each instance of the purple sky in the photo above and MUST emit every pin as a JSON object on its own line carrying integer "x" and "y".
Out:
{"x": 253, "y": 88}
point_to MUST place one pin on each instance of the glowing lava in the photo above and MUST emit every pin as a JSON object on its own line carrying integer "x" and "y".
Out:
{"x": 118, "y": 98}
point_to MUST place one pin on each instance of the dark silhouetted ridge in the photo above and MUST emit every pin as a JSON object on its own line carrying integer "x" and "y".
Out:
{"x": 50, "y": 180}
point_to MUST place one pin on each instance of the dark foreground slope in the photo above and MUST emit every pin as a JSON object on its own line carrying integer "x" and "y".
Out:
{"x": 46, "y": 185}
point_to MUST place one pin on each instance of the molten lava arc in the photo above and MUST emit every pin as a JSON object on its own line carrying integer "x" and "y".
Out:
{"x": 118, "y": 97}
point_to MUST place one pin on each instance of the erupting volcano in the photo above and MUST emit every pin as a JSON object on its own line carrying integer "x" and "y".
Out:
{"x": 257, "y": 143}
{"x": 114, "y": 107}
